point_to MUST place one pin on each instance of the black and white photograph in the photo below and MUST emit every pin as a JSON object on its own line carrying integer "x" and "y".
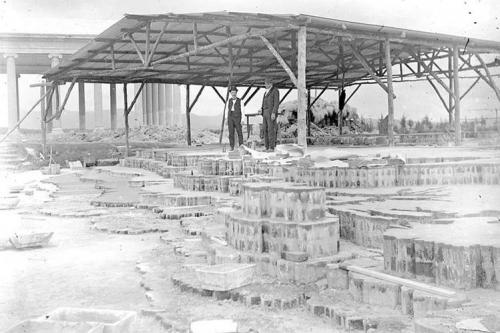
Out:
{"x": 255, "y": 166}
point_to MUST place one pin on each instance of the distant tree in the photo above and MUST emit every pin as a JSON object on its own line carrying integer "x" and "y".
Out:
{"x": 410, "y": 124}
{"x": 483, "y": 122}
{"x": 403, "y": 124}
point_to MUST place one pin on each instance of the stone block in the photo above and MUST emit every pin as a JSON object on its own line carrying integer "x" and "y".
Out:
{"x": 337, "y": 277}
{"x": 295, "y": 256}
{"x": 225, "y": 276}
{"x": 406, "y": 301}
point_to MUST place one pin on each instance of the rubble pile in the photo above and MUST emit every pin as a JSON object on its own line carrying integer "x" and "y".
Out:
{"x": 138, "y": 134}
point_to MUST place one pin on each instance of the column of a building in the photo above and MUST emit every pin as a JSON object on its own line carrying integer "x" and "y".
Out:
{"x": 55, "y": 60}
{"x": 169, "y": 105}
{"x": 162, "y": 111}
{"x": 112, "y": 105}
{"x": 178, "y": 114}
{"x": 137, "y": 112}
{"x": 154, "y": 103}
{"x": 98, "y": 116}
{"x": 81, "y": 106}
{"x": 149, "y": 98}
{"x": 12, "y": 103}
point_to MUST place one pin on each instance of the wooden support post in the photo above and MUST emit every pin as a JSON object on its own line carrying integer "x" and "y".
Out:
{"x": 246, "y": 92}
{"x": 390, "y": 93}
{"x": 301, "y": 87}
{"x": 456, "y": 92}
{"x": 188, "y": 117}
{"x": 450, "y": 96}
{"x": 42, "y": 122}
{"x": 352, "y": 94}
{"x": 308, "y": 112}
{"x": 112, "y": 105}
{"x": 125, "y": 116}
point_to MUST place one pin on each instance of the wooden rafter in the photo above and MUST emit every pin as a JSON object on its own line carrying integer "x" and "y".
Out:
{"x": 431, "y": 73}
{"x": 282, "y": 62}
{"x": 368, "y": 68}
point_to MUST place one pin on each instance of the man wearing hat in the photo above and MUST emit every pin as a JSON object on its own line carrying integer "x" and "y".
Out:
{"x": 234, "y": 116}
{"x": 270, "y": 104}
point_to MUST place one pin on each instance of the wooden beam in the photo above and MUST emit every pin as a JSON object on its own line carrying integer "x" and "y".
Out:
{"x": 438, "y": 93}
{"x": 470, "y": 88}
{"x": 226, "y": 41}
{"x": 316, "y": 98}
{"x": 155, "y": 46}
{"x": 251, "y": 96}
{"x": 456, "y": 91}
{"x": 285, "y": 95}
{"x": 25, "y": 116}
{"x": 368, "y": 68}
{"x": 280, "y": 60}
{"x": 113, "y": 64}
{"x": 135, "y": 98}
{"x": 218, "y": 94}
{"x": 397, "y": 280}
{"x": 196, "y": 98}
{"x": 195, "y": 36}
{"x": 481, "y": 75}
{"x": 390, "y": 93}
{"x": 352, "y": 94}
{"x": 488, "y": 74}
{"x": 136, "y": 47}
{"x": 148, "y": 37}
{"x": 246, "y": 91}
{"x": 301, "y": 87}
{"x": 431, "y": 73}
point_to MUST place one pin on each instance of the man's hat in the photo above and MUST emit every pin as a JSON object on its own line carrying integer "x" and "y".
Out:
{"x": 233, "y": 88}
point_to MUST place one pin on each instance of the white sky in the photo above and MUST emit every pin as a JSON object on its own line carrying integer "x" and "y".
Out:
{"x": 471, "y": 18}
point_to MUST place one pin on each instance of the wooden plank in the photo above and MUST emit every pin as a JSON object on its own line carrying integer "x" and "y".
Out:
{"x": 397, "y": 280}
{"x": 456, "y": 93}
{"x": 368, "y": 68}
{"x": 470, "y": 88}
{"x": 390, "y": 93}
{"x": 195, "y": 36}
{"x": 280, "y": 60}
{"x": 301, "y": 87}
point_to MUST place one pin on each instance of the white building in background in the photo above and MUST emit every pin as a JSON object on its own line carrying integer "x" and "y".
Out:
{"x": 24, "y": 53}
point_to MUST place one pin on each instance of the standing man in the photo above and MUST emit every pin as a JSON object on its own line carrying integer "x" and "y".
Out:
{"x": 270, "y": 104}
{"x": 234, "y": 118}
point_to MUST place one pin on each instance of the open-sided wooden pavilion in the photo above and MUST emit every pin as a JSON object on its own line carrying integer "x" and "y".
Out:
{"x": 299, "y": 52}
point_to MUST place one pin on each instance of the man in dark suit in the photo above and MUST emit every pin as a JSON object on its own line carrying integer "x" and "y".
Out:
{"x": 234, "y": 118}
{"x": 270, "y": 104}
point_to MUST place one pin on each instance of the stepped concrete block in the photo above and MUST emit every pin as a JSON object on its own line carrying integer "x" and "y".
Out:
{"x": 225, "y": 277}
{"x": 337, "y": 277}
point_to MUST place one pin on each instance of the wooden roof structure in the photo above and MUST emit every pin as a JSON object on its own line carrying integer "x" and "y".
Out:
{"x": 209, "y": 48}
{"x": 299, "y": 52}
